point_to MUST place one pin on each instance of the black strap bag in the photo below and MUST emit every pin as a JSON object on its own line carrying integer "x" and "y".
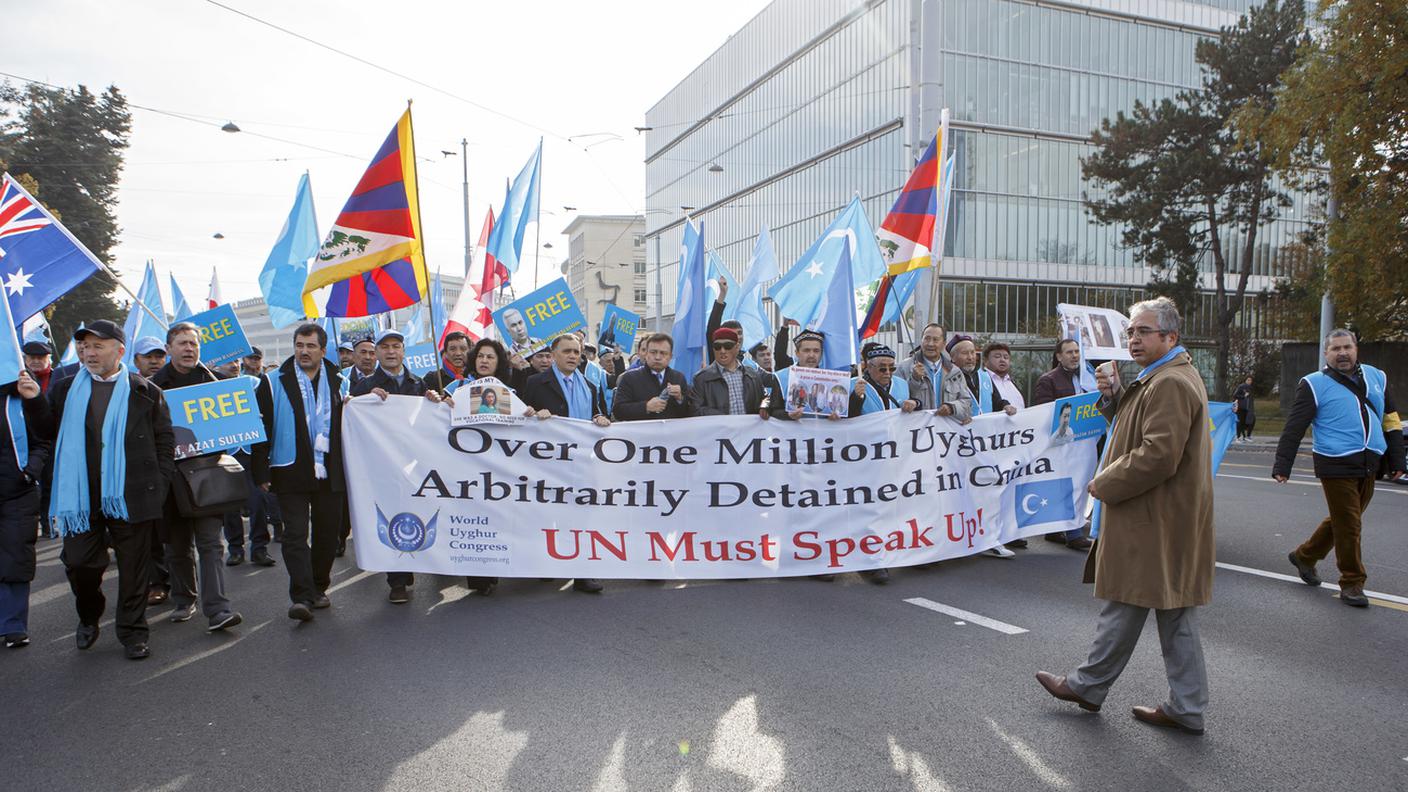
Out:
{"x": 210, "y": 485}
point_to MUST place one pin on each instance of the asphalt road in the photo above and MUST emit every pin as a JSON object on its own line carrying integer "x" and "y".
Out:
{"x": 732, "y": 685}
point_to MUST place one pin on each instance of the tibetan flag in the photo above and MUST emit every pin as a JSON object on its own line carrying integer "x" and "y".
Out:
{"x": 907, "y": 236}
{"x": 895, "y": 290}
{"x": 372, "y": 258}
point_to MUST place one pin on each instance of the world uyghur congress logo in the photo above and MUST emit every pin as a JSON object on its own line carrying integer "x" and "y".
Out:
{"x": 405, "y": 533}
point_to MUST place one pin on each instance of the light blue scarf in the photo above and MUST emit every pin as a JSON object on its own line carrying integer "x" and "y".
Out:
{"x": 578, "y": 394}
{"x": 317, "y": 413}
{"x": 1096, "y": 514}
{"x": 68, "y": 508}
{"x": 19, "y": 435}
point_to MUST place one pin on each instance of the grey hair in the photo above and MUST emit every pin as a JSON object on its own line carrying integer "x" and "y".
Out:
{"x": 1164, "y": 309}
{"x": 1340, "y": 332}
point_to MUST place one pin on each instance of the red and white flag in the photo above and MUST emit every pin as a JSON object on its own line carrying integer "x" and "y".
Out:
{"x": 214, "y": 299}
{"x": 473, "y": 312}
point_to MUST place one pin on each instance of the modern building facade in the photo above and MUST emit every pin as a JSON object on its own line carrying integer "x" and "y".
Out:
{"x": 606, "y": 264}
{"x": 815, "y": 101}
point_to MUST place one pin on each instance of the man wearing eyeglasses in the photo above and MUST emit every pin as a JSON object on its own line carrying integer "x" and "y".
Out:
{"x": 727, "y": 387}
{"x": 1152, "y": 523}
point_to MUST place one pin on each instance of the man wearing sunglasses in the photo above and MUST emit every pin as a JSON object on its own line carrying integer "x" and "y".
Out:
{"x": 727, "y": 387}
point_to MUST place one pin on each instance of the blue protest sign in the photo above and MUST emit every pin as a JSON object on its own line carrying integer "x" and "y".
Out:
{"x": 214, "y": 416}
{"x": 420, "y": 359}
{"x": 532, "y": 321}
{"x": 618, "y": 328}
{"x": 222, "y": 338}
{"x": 1076, "y": 418}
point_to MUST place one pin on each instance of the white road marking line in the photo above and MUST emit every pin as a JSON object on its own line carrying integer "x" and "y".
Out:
{"x": 981, "y": 621}
{"x": 1314, "y": 483}
{"x": 1296, "y": 579}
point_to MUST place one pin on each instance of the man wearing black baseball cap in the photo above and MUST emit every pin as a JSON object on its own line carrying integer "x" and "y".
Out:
{"x": 252, "y": 365}
{"x": 39, "y": 362}
{"x": 114, "y": 459}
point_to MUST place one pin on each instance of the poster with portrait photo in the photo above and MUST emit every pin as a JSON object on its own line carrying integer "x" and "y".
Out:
{"x": 820, "y": 392}
{"x": 1076, "y": 418}
{"x": 1103, "y": 333}
{"x": 486, "y": 400}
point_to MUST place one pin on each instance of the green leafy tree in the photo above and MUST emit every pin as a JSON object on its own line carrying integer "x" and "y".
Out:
{"x": 1344, "y": 102}
{"x": 70, "y": 144}
{"x": 1181, "y": 186}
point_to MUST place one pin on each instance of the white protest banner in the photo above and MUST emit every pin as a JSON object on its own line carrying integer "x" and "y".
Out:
{"x": 711, "y": 497}
{"x": 1102, "y": 333}
{"x": 818, "y": 391}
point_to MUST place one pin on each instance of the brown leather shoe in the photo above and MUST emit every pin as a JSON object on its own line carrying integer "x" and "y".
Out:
{"x": 156, "y": 596}
{"x": 1354, "y": 595}
{"x": 1057, "y": 687}
{"x": 1155, "y": 716}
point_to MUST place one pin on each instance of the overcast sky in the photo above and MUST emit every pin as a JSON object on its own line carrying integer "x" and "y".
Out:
{"x": 561, "y": 68}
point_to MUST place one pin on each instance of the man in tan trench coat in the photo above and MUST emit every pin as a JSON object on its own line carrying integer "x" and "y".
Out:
{"x": 1154, "y": 524}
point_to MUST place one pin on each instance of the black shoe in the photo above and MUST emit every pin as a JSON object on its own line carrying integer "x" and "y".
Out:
{"x": 1020, "y": 544}
{"x": 1307, "y": 571}
{"x": 16, "y": 640}
{"x": 224, "y": 621}
{"x": 236, "y": 558}
{"x": 827, "y": 578}
{"x": 278, "y": 532}
{"x": 1058, "y": 538}
{"x": 399, "y": 595}
{"x": 1079, "y": 544}
{"x": 341, "y": 548}
{"x": 587, "y": 585}
{"x": 87, "y": 635}
{"x": 1354, "y": 595}
{"x": 137, "y": 651}
{"x": 877, "y": 576}
{"x": 482, "y": 586}
{"x": 300, "y": 612}
{"x": 321, "y": 601}
{"x": 261, "y": 558}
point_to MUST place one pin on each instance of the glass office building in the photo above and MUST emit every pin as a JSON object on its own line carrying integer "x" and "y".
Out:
{"x": 815, "y": 101}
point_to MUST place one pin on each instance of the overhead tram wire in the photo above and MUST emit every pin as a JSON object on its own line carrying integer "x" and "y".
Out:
{"x": 386, "y": 70}
{"x": 196, "y": 120}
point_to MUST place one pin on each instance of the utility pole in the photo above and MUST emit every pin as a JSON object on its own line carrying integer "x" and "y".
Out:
{"x": 1327, "y": 304}
{"x": 468, "y": 245}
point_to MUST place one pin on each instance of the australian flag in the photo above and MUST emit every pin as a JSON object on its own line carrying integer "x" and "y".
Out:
{"x": 40, "y": 261}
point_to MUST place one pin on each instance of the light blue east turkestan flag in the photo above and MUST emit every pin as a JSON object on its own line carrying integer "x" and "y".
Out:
{"x": 520, "y": 209}
{"x": 180, "y": 309}
{"x": 718, "y": 273}
{"x": 36, "y": 328}
{"x": 286, "y": 269}
{"x": 437, "y": 308}
{"x": 140, "y": 322}
{"x": 836, "y": 317}
{"x": 691, "y": 309}
{"x": 747, "y": 306}
{"x": 414, "y": 331}
{"x": 71, "y": 351}
{"x": 329, "y": 324}
{"x": 800, "y": 292}
{"x": 11, "y": 359}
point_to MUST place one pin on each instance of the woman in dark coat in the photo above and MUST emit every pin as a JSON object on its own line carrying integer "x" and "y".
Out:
{"x": 23, "y": 456}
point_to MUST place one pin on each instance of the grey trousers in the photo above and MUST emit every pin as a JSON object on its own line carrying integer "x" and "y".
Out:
{"x": 1117, "y": 633}
{"x": 191, "y": 536}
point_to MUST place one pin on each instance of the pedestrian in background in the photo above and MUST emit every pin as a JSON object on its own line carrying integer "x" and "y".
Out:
{"x": 1358, "y": 438}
